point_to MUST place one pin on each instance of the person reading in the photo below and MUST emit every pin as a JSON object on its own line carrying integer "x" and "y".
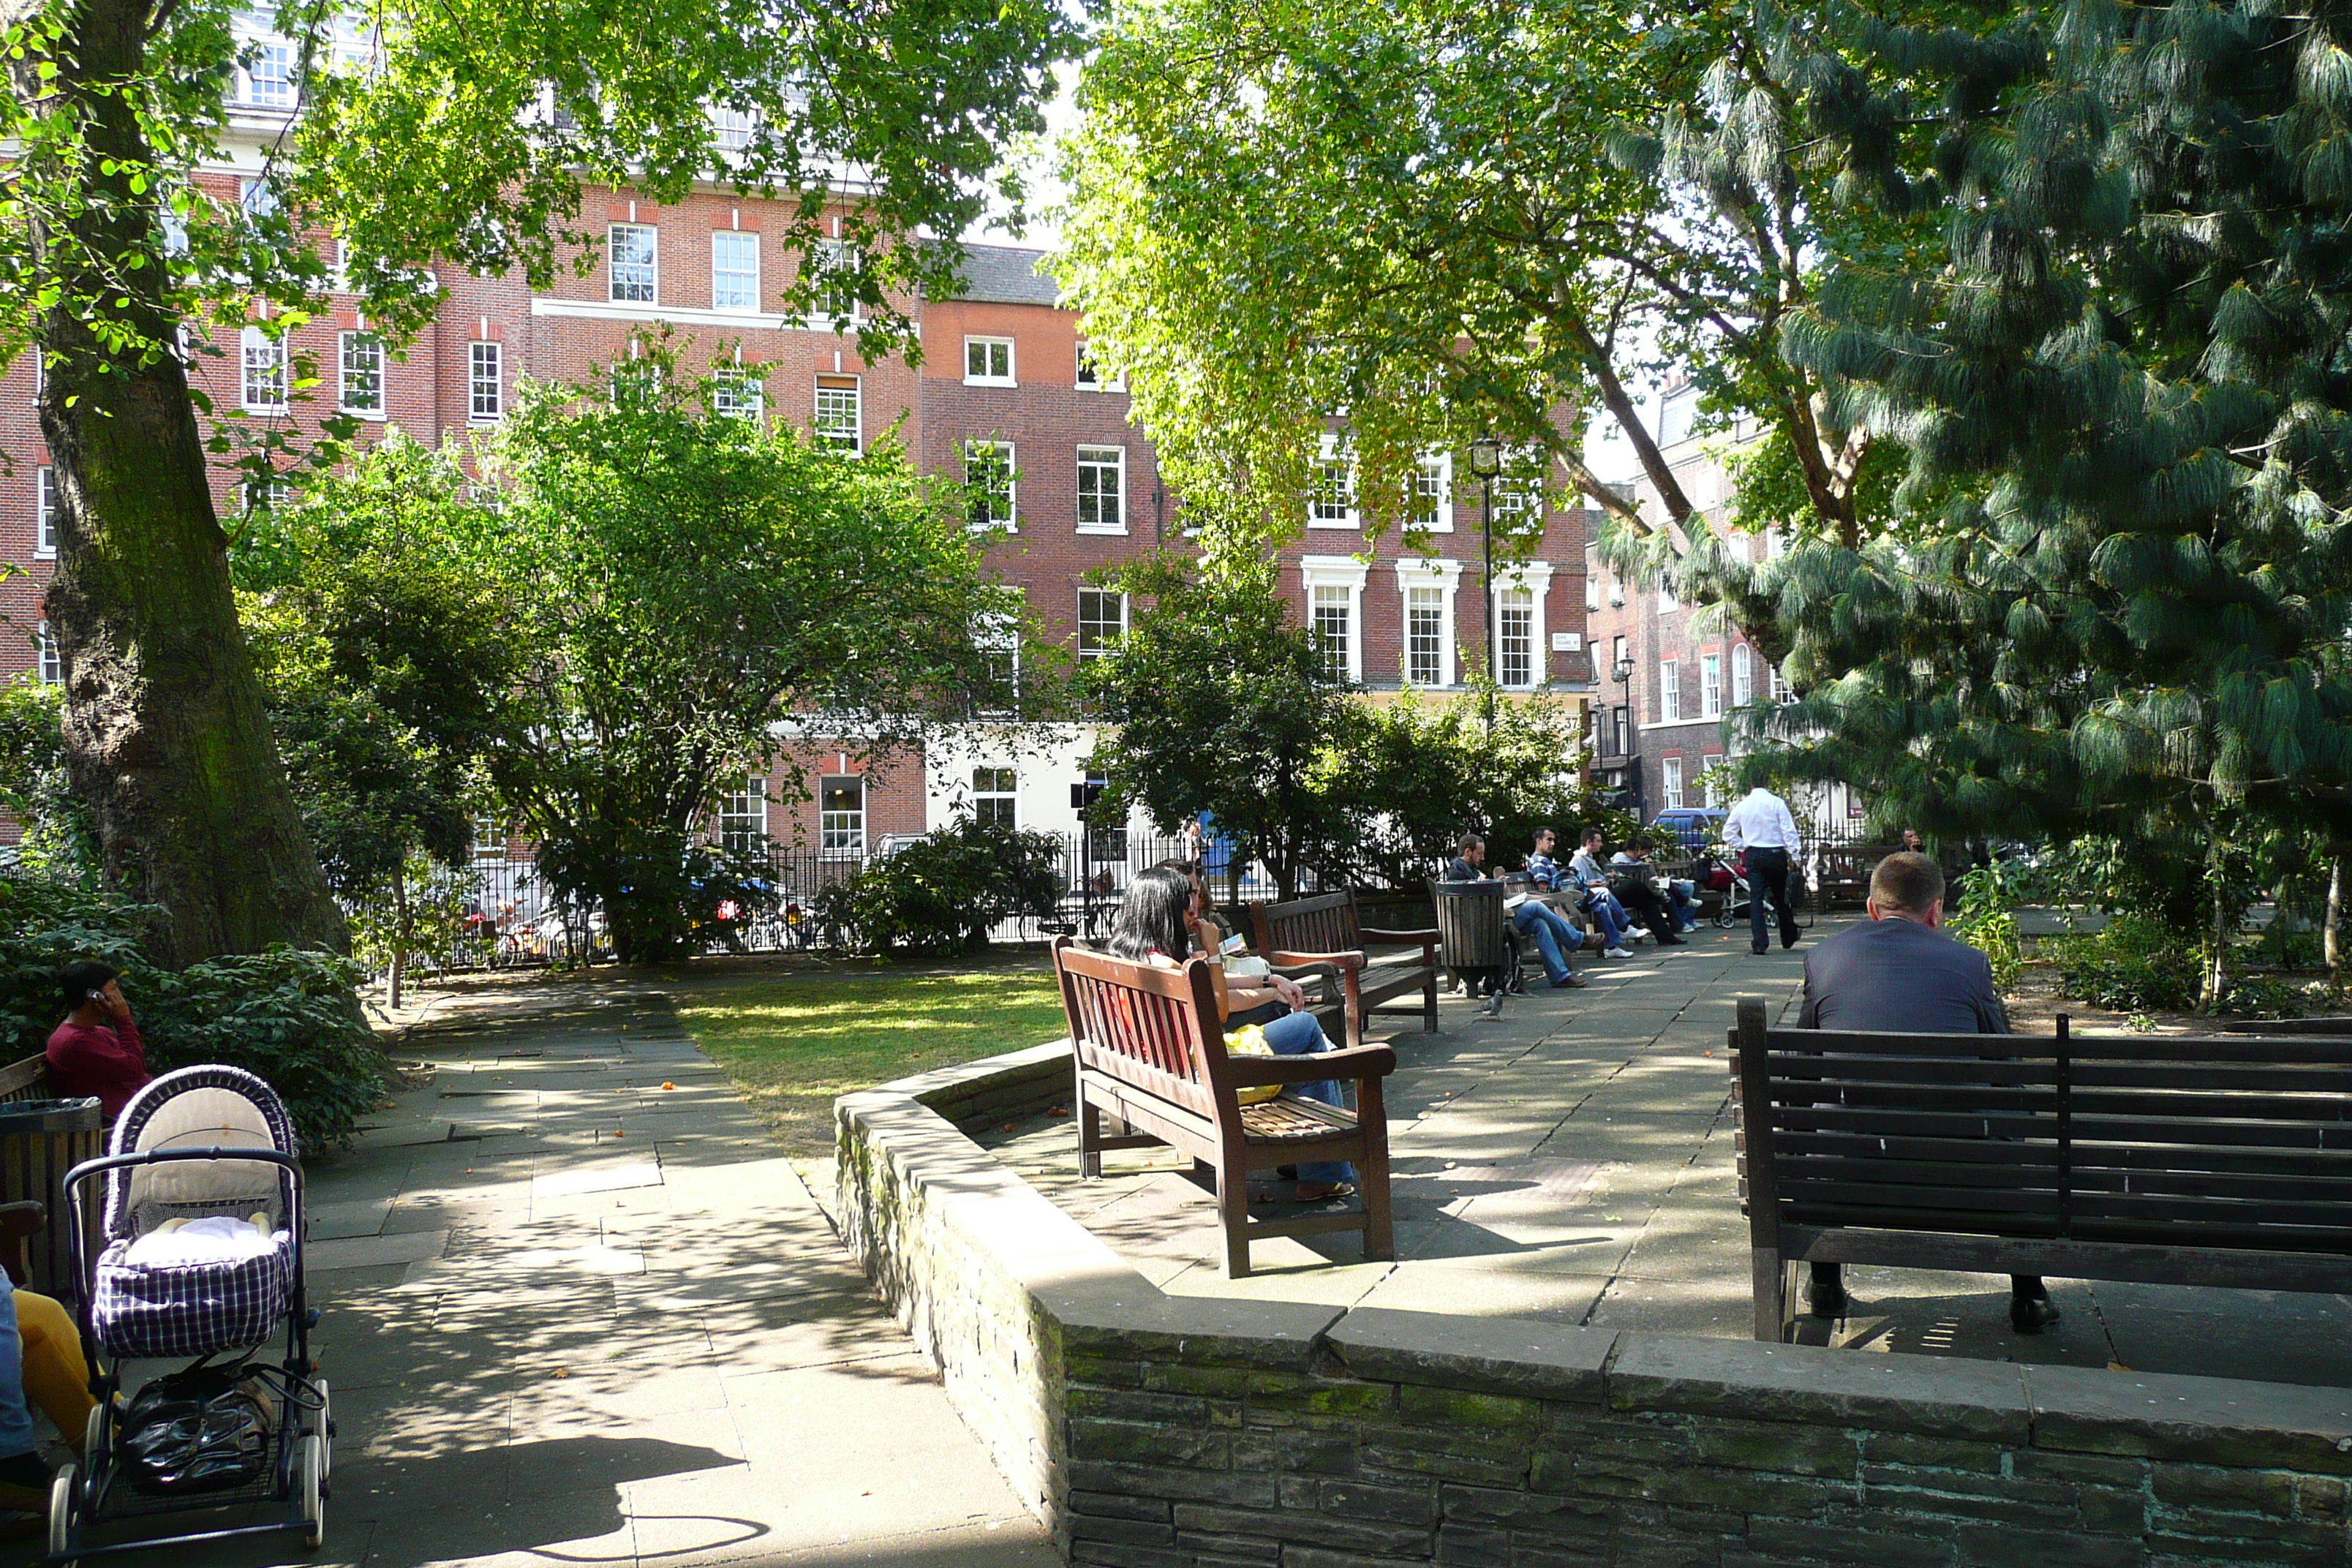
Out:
{"x": 1901, "y": 974}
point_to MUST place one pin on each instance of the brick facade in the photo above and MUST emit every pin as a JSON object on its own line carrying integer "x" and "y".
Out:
{"x": 572, "y": 330}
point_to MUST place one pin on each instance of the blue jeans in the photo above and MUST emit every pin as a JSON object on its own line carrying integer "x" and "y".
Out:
{"x": 1608, "y": 918}
{"x": 1554, "y": 935}
{"x": 1685, "y": 898}
{"x": 1299, "y": 1035}
{"x": 16, "y": 1420}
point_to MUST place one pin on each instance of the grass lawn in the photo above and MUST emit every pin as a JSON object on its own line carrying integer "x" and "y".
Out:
{"x": 794, "y": 1043}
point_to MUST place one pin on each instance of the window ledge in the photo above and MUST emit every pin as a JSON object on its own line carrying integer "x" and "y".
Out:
{"x": 1353, "y": 526}
{"x": 373, "y": 415}
{"x": 1097, "y": 527}
{"x": 989, "y": 381}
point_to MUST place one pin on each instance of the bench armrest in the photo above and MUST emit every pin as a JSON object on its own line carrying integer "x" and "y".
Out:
{"x": 1357, "y": 1062}
{"x": 1342, "y": 961}
{"x": 1369, "y": 934}
{"x": 1330, "y": 974}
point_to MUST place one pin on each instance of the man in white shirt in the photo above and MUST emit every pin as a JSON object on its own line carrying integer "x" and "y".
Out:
{"x": 1761, "y": 825}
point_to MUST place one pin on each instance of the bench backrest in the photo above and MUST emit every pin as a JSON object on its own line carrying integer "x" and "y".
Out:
{"x": 1470, "y": 922}
{"x": 1324, "y": 924}
{"x": 1155, "y": 1028}
{"x": 2240, "y": 1142}
{"x": 27, "y": 1080}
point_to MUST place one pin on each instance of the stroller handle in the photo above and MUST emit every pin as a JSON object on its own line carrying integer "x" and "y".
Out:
{"x": 100, "y": 1166}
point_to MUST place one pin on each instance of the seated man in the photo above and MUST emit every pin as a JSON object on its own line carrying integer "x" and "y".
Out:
{"x": 97, "y": 1051}
{"x": 1554, "y": 936}
{"x": 1630, "y": 879}
{"x": 1900, "y": 974}
{"x": 1615, "y": 925}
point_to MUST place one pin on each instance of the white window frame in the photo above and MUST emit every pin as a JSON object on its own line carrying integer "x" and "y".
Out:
{"x": 1670, "y": 692}
{"x": 45, "y": 513}
{"x": 834, "y": 433}
{"x": 48, "y": 659}
{"x": 1005, "y": 455}
{"x": 1743, "y": 676}
{"x": 495, "y": 382}
{"x": 1710, "y": 686}
{"x": 287, "y": 88}
{"x": 1332, "y": 452}
{"x": 1087, "y": 378}
{"x": 1101, "y": 649}
{"x": 1667, "y": 604}
{"x": 1328, "y": 573}
{"x": 261, "y": 360}
{"x": 1445, "y": 577}
{"x": 731, "y": 129}
{"x": 988, "y": 374}
{"x": 1670, "y": 782}
{"x": 734, "y": 277}
{"x": 489, "y": 837}
{"x": 835, "y": 256}
{"x": 1095, "y": 459}
{"x": 651, "y": 267}
{"x": 740, "y": 806}
{"x": 999, "y": 632}
{"x": 344, "y": 343}
{"x": 738, "y": 393}
{"x": 254, "y": 197}
{"x": 1707, "y": 762}
{"x": 840, "y": 830}
{"x": 998, "y": 790}
{"x": 1522, "y": 489}
{"x": 1437, "y": 467}
{"x": 1535, "y": 577}
{"x": 1678, "y": 406}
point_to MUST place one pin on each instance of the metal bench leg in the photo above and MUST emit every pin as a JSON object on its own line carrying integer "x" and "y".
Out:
{"x": 1089, "y": 1139}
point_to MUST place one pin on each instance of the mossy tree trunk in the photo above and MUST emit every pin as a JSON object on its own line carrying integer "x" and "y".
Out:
{"x": 166, "y": 735}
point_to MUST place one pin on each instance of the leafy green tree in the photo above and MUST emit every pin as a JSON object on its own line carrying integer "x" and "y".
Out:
{"x": 388, "y": 660}
{"x": 2117, "y": 604}
{"x": 58, "y": 841}
{"x": 941, "y": 894}
{"x": 1441, "y": 215}
{"x": 1216, "y": 701}
{"x": 1412, "y": 776}
{"x": 686, "y": 581}
{"x": 461, "y": 129}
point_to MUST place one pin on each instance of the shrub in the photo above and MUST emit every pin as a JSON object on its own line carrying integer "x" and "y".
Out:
{"x": 940, "y": 894}
{"x": 1986, "y": 922}
{"x": 2137, "y": 963}
{"x": 286, "y": 1016}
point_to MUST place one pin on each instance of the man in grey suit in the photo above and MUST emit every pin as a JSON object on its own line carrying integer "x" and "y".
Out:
{"x": 1900, "y": 974}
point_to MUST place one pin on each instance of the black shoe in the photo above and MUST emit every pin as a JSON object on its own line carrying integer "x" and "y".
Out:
{"x": 1571, "y": 982}
{"x": 1285, "y": 1172}
{"x": 1789, "y": 941}
{"x": 25, "y": 1483}
{"x": 1826, "y": 1298}
{"x": 1667, "y": 939}
{"x": 1759, "y": 951}
{"x": 2031, "y": 1314}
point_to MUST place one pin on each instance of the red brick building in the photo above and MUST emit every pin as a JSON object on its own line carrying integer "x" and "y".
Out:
{"x": 1004, "y": 392}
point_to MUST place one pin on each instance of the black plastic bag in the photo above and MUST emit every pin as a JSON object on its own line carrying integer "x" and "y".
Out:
{"x": 206, "y": 1429}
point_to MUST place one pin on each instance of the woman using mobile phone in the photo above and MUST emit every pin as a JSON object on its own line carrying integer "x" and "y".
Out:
{"x": 97, "y": 1050}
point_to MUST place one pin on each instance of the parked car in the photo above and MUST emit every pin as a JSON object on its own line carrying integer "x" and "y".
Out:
{"x": 1692, "y": 827}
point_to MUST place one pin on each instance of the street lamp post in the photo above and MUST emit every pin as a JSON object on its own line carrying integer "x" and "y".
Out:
{"x": 1486, "y": 461}
{"x": 1625, "y": 675}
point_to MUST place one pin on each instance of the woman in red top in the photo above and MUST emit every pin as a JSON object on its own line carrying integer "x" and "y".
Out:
{"x": 97, "y": 1050}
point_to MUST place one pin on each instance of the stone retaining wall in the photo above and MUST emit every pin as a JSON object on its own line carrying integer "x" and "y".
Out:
{"x": 1157, "y": 1431}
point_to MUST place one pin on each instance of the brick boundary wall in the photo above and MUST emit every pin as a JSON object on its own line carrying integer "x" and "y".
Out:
{"x": 1157, "y": 1431}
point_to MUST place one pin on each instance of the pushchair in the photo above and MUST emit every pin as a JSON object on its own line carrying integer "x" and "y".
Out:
{"x": 1727, "y": 876}
{"x": 233, "y": 1428}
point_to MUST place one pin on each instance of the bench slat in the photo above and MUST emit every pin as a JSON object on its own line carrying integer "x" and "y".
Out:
{"x": 1981, "y": 1253}
{"x": 2315, "y": 1050}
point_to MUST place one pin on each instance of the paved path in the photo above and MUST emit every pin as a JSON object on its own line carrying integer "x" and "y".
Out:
{"x": 1573, "y": 1161}
{"x": 579, "y": 1310}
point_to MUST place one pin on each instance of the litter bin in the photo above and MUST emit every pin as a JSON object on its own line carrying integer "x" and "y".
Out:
{"x": 40, "y": 1141}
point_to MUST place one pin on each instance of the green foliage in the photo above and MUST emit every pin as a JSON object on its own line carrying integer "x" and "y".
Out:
{"x": 1982, "y": 912}
{"x": 286, "y": 1016}
{"x": 1218, "y": 701}
{"x": 940, "y": 894}
{"x": 692, "y": 576}
{"x": 2137, "y": 963}
{"x": 60, "y": 840}
{"x": 1411, "y": 776}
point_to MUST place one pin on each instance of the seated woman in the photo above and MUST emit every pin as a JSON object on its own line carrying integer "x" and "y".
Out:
{"x": 1158, "y": 923}
{"x": 97, "y": 1051}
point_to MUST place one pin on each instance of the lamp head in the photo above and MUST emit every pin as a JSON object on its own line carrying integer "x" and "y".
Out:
{"x": 1624, "y": 671}
{"x": 1486, "y": 457}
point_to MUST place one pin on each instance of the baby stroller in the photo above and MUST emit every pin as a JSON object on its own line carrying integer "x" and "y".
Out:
{"x": 199, "y": 1255}
{"x": 1727, "y": 876}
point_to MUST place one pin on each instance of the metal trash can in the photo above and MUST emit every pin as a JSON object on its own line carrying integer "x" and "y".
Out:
{"x": 40, "y": 1141}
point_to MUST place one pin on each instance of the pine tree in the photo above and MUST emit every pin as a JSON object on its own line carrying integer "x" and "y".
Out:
{"x": 2116, "y": 603}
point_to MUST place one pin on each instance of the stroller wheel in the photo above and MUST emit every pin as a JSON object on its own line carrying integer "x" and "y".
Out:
{"x": 326, "y": 1429}
{"x": 61, "y": 1509}
{"x": 313, "y": 1461}
{"x": 94, "y": 1440}
{"x": 1723, "y": 918}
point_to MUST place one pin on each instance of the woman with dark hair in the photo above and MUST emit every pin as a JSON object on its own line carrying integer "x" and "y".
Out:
{"x": 1158, "y": 923}
{"x": 97, "y": 1051}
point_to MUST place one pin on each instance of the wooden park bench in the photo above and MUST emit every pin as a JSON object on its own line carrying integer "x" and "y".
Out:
{"x": 1150, "y": 1053}
{"x": 1476, "y": 932}
{"x": 1324, "y": 929}
{"x": 2161, "y": 1160}
{"x": 1842, "y": 873}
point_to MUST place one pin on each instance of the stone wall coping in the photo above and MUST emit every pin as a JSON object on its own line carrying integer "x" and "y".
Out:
{"x": 1493, "y": 1355}
{"x": 1102, "y": 1305}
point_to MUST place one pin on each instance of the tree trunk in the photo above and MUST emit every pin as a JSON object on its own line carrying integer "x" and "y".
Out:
{"x": 2327, "y": 948}
{"x": 2217, "y": 971}
{"x": 399, "y": 938}
{"x": 166, "y": 737}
